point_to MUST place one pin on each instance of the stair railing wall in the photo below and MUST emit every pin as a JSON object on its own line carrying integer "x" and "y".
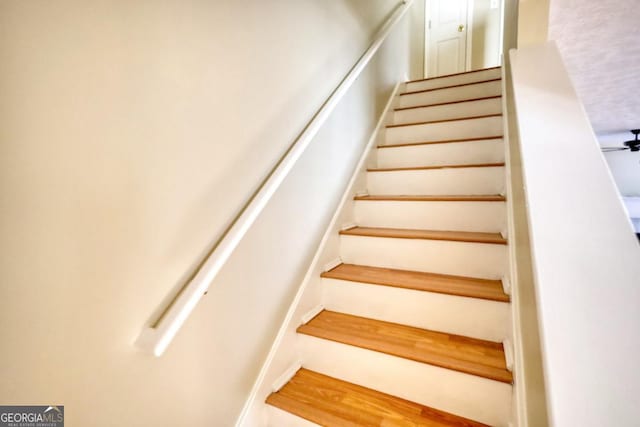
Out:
{"x": 585, "y": 255}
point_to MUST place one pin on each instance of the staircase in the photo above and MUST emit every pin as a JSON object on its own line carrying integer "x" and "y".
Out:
{"x": 414, "y": 318}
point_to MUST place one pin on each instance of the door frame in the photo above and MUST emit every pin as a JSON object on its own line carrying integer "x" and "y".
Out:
{"x": 468, "y": 41}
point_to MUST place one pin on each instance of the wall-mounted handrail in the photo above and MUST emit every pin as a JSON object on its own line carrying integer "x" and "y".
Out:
{"x": 157, "y": 337}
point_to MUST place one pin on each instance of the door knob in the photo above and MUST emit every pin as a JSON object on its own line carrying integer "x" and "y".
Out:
{"x": 460, "y": 28}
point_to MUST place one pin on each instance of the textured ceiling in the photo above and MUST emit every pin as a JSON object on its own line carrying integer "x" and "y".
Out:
{"x": 600, "y": 43}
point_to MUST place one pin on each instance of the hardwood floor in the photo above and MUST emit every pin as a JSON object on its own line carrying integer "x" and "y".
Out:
{"x": 450, "y": 86}
{"x": 334, "y": 403}
{"x": 403, "y": 233}
{"x": 482, "y": 98}
{"x": 439, "y": 141}
{"x": 440, "y": 283}
{"x": 451, "y": 75}
{"x": 472, "y": 356}
{"x": 457, "y": 119}
{"x": 478, "y": 165}
{"x": 453, "y": 198}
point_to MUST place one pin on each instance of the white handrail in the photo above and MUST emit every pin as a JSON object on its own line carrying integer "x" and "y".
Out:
{"x": 157, "y": 337}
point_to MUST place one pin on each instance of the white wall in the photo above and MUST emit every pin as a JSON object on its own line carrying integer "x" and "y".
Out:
{"x": 130, "y": 134}
{"x": 585, "y": 255}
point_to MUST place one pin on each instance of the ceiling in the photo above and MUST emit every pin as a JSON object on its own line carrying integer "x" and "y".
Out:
{"x": 600, "y": 43}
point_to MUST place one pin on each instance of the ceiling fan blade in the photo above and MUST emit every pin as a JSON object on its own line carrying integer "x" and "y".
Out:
{"x": 609, "y": 149}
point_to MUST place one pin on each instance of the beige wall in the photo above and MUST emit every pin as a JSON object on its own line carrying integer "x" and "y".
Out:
{"x": 510, "y": 30}
{"x": 417, "y": 39}
{"x": 485, "y": 40}
{"x": 533, "y": 22}
{"x": 130, "y": 134}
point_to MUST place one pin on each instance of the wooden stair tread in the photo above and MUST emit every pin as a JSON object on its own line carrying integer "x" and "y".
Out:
{"x": 472, "y": 356}
{"x": 454, "y": 74}
{"x": 335, "y": 403}
{"x": 441, "y": 141}
{"x": 457, "y": 119}
{"x": 416, "y": 280}
{"x": 457, "y": 166}
{"x": 452, "y": 86}
{"x": 406, "y": 233}
{"x": 482, "y": 98}
{"x": 434, "y": 198}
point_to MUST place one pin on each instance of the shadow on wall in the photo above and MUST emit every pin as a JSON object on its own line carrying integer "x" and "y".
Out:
{"x": 485, "y": 35}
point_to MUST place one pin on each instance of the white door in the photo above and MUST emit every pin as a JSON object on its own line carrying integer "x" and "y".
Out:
{"x": 447, "y": 37}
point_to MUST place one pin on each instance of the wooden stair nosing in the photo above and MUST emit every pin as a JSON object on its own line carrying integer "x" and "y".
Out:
{"x": 455, "y": 352}
{"x": 442, "y": 141}
{"x": 426, "y": 198}
{"x": 451, "y": 86}
{"x": 457, "y": 166}
{"x": 332, "y": 402}
{"x": 454, "y": 74}
{"x": 482, "y": 98}
{"x": 469, "y": 287}
{"x": 483, "y": 116}
{"x": 407, "y": 233}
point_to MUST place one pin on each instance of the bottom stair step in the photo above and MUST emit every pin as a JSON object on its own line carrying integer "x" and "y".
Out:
{"x": 331, "y": 402}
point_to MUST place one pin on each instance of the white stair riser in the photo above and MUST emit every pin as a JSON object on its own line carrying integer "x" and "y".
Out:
{"x": 454, "y": 153}
{"x": 482, "y": 260}
{"x": 457, "y": 79}
{"x": 462, "y": 394}
{"x": 470, "y": 317}
{"x": 449, "y": 111}
{"x": 458, "y": 129}
{"x": 458, "y": 216}
{"x": 458, "y": 93}
{"x": 455, "y": 181}
{"x": 280, "y": 418}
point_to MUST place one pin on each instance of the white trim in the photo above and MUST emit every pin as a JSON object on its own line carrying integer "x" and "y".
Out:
{"x": 332, "y": 264}
{"x": 347, "y": 196}
{"x": 156, "y": 338}
{"x": 501, "y": 41}
{"x": 427, "y": 30}
{"x": 308, "y": 317}
{"x": 348, "y": 226}
{"x": 285, "y": 377}
{"x": 469, "y": 41}
{"x": 506, "y": 284}
{"x": 510, "y": 281}
{"x": 508, "y": 354}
